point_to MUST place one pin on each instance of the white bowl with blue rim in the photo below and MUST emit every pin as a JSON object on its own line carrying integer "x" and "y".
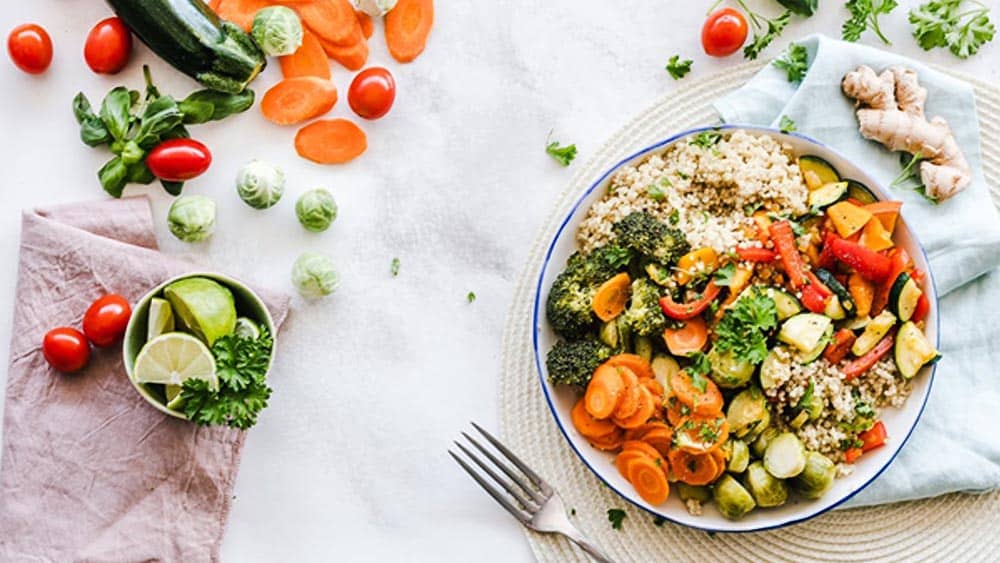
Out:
{"x": 899, "y": 422}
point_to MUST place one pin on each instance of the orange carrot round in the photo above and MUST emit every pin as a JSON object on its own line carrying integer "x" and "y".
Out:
{"x": 333, "y": 20}
{"x": 631, "y": 395}
{"x": 693, "y": 469}
{"x": 609, "y": 442}
{"x": 639, "y": 366}
{"x": 647, "y": 407}
{"x": 707, "y": 402}
{"x": 649, "y": 480}
{"x": 610, "y": 299}
{"x": 638, "y": 432}
{"x": 588, "y": 426}
{"x": 661, "y": 439}
{"x": 624, "y": 458}
{"x": 676, "y": 410}
{"x": 294, "y": 100}
{"x": 689, "y": 338}
{"x": 603, "y": 392}
{"x": 351, "y": 56}
{"x": 407, "y": 27}
{"x": 308, "y": 60}
{"x": 640, "y": 446}
{"x": 241, "y": 12}
{"x": 700, "y": 434}
{"x": 331, "y": 141}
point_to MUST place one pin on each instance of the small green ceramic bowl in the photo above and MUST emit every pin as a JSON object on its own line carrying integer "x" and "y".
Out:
{"x": 248, "y": 304}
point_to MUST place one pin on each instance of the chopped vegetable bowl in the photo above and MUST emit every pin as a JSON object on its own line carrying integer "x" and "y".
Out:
{"x": 735, "y": 329}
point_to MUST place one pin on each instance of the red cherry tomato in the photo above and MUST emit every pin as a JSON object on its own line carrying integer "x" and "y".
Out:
{"x": 106, "y": 319}
{"x": 724, "y": 32}
{"x": 108, "y": 46}
{"x": 66, "y": 349}
{"x": 30, "y": 47}
{"x": 179, "y": 160}
{"x": 372, "y": 93}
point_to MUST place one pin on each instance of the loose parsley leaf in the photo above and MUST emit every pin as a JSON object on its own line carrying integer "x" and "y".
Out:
{"x": 562, "y": 155}
{"x": 470, "y": 297}
{"x": 909, "y": 176}
{"x": 682, "y": 175}
{"x": 744, "y": 328}
{"x": 706, "y": 139}
{"x": 806, "y": 400}
{"x": 864, "y": 15}
{"x": 658, "y": 521}
{"x": 762, "y": 38}
{"x": 675, "y": 217}
{"x": 615, "y": 516}
{"x": 655, "y": 192}
{"x": 723, "y": 277}
{"x": 786, "y": 124}
{"x": 801, "y": 7}
{"x": 677, "y": 68}
{"x": 794, "y": 61}
{"x": 394, "y": 267}
{"x": 699, "y": 368}
{"x": 939, "y": 23}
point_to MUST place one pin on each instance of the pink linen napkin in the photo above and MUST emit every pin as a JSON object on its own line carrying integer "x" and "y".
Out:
{"x": 90, "y": 472}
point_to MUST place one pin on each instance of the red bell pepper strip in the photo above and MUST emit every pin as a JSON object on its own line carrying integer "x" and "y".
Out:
{"x": 818, "y": 285}
{"x": 813, "y": 299}
{"x": 899, "y": 262}
{"x": 864, "y": 363}
{"x": 923, "y": 307}
{"x": 690, "y": 310}
{"x": 841, "y": 344}
{"x": 852, "y": 454}
{"x": 784, "y": 242}
{"x": 827, "y": 260}
{"x": 870, "y": 265}
{"x": 874, "y": 437}
{"x": 754, "y": 254}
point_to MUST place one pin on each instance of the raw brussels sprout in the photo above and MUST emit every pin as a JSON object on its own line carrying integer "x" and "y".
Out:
{"x": 192, "y": 218}
{"x": 314, "y": 275}
{"x": 759, "y": 446}
{"x": 316, "y": 210}
{"x": 375, "y": 8}
{"x": 733, "y": 500}
{"x": 785, "y": 456}
{"x": 277, "y": 30}
{"x": 817, "y": 477}
{"x": 738, "y": 454}
{"x": 766, "y": 490}
{"x": 729, "y": 372}
{"x": 689, "y": 492}
{"x": 748, "y": 412}
{"x": 260, "y": 184}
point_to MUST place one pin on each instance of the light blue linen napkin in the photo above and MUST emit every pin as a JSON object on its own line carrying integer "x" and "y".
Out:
{"x": 955, "y": 447}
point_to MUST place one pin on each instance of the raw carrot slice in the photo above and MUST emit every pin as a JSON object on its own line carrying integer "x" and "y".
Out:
{"x": 654, "y": 387}
{"x": 629, "y": 403}
{"x": 366, "y": 23}
{"x": 692, "y": 469}
{"x": 407, "y": 27}
{"x": 720, "y": 460}
{"x": 639, "y": 432}
{"x": 707, "y": 402}
{"x": 689, "y": 338}
{"x": 331, "y": 141}
{"x": 639, "y": 366}
{"x": 333, "y": 20}
{"x": 309, "y": 60}
{"x": 649, "y": 480}
{"x": 588, "y": 426}
{"x": 352, "y": 56}
{"x": 604, "y": 392}
{"x": 294, "y": 100}
{"x": 611, "y": 297}
{"x": 700, "y": 434}
{"x": 610, "y": 442}
{"x": 623, "y": 459}
{"x": 640, "y": 446}
{"x": 241, "y": 12}
{"x": 646, "y": 410}
{"x": 660, "y": 438}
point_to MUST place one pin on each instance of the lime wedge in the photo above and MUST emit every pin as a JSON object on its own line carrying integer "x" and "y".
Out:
{"x": 204, "y": 306}
{"x": 161, "y": 318}
{"x": 173, "y": 358}
{"x": 246, "y": 328}
{"x": 174, "y": 400}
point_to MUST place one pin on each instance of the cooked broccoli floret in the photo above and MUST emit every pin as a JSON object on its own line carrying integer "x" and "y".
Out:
{"x": 650, "y": 237}
{"x": 573, "y": 362}
{"x": 644, "y": 315}
{"x": 569, "y": 307}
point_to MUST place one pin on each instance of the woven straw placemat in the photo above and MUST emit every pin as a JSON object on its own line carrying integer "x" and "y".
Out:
{"x": 956, "y": 527}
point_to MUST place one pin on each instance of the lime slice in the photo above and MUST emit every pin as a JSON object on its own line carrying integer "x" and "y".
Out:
{"x": 204, "y": 306}
{"x": 246, "y": 328}
{"x": 173, "y": 358}
{"x": 161, "y": 318}
{"x": 174, "y": 400}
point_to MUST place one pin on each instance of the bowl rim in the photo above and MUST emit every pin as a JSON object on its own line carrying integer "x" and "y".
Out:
{"x": 539, "y": 319}
{"x": 231, "y": 283}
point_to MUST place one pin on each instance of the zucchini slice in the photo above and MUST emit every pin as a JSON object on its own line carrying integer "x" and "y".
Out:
{"x": 817, "y": 351}
{"x": 834, "y": 310}
{"x": 786, "y": 303}
{"x": 817, "y": 172}
{"x": 805, "y": 331}
{"x": 844, "y": 298}
{"x": 874, "y": 332}
{"x": 785, "y": 456}
{"x": 827, "y": 194}
{"x": 903, "y": 296}
{"x": 912, "y": 350}
{"x": 858, "y": 323}
{"x": 857, "y": 190}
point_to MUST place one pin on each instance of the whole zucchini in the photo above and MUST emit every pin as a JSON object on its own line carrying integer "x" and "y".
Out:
{"x": 188, "y": 35}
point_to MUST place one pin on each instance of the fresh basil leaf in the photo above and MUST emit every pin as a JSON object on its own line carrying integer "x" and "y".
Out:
{"x": 113, "y": 176}
{"x": 196, "y": 112}
{"x": 139, "y": 173}
{"x": 81, "y": 108}
{"x": 172, "y": 188}
{"x": 159, "y": 116}
{"x": 116, "y": 112}
{"x": 222, "y": 105}
{"x": 93, "y": 133}
{"x": 178, "y": 132}
{"x": 132, "y": 153}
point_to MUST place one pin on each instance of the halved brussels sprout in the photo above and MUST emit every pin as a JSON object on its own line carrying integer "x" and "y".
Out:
{"x": 748, "y": 412}
{"x": 766, "y": 490}
{"x": 729, "y": 372}
{"x": 785, "y": 456}
{"x": 738, "y": 455}
{"x": 759, "y": 446}
{"x": 733, "y": 501}
{"x": 689, "y": 492}
{"x": 817, "y": 477}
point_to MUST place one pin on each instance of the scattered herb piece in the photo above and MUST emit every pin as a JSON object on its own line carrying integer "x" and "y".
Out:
{"x": 724, "y": 276}
{"x": 706, "y": 139}
{"x": 562, "y": 155}
{"x": 745, "y": 327}
{"x": 572, "y": 512}
{"x": 615, "y": 516}
{"x": 806, "y": 400}
{"x": 394, "y": 267}
{"x": 675, "y": 217}
{"x": 801, "y": 7}
{"x": 682, "y": 175}
{"x": 794, "y": 61}
{"x": 470, "y": 297}
{"x": 655, "y": 192}
{"x": 751, "y": 208}
{"x": 939, "y": 23}
{"x": 677, "y": 68}
{"x": 700, "y": 366}
{"x": 765, "y": 30}
{"x": 864, "y": 15}
{"x": 786, "y": 124}
{"x": 909, "y": 176}
{"x": 658, "y": 521}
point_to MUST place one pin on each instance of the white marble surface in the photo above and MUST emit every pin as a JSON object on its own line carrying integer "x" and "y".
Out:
{"x": 371, "y": 385}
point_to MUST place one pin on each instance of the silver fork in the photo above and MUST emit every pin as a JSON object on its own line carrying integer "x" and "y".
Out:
{"x": 529, "y": 499}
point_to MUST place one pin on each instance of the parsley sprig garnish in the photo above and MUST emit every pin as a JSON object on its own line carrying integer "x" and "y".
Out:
{"x": 939, "y": 23}
{"x": 615, "y": 516}
{"x": 786, "y": 124}
{"x": 864, "y": 15}
{"x": 794, "y": 61}
{"x": 677, "y": 68}
{"x": 744, "y": 328}
{"x": 562, "y": 155}
{"x": 765, "y": 30}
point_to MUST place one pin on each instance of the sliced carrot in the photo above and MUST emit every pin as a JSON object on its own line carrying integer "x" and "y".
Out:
{"x": 366, "y": 23}
{"x": 693, "y": 469}
{"x": 241, "y": 12}
{"x": 689, "y": 338}
{"x": 214, "y": 5}
{"x": 720, "y": 461}
{"x": 333, "y": 20}
{"x": 588, "y": 426}
{"x": 660, "y": 438}
{"x": 649, "y": 480}
{"x": 351, "y": 56}
{"x": 640, "y": 446}
{"x": 676, "y": 410}
{"x": 701, "y": 434}
{"x": 610, "y": 442}
{"x": 639, "y": 432}
{"x": 604, "y": 392}
{"x": 308, "y": 60}
{"x": 654, "y": 387}
{"x": 629, "y": 403}
{"x": 639, "y": 366}
{"x": 611, "y": 297}
{"x": 646, "y": 410}
{"x": 294, "y": 100}
{"x": 625, "y": 457}
{"x": 707, "y": 402}
{"x": 407, "y": 27}
{"x": 331, "y": 141}
{"x": 862, "y": 293}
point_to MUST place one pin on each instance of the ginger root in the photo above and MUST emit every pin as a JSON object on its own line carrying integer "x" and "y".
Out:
{"x": 891, "y": 111}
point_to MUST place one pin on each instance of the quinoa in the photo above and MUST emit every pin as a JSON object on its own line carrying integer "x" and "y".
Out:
{"x": 703, "y": 191}
{"x": 693, "y": 506}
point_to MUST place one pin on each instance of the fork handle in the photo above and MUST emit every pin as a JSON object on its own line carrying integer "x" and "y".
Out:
{"x": 591, "y": 549}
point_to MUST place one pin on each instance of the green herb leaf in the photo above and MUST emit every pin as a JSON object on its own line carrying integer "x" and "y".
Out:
{"x": 706, "y": 139}
{"x": 394, "y": 267}
{"x": 675, "y": 217}
{"x": 786, "y": 124}
{"x": 470, "y": 297}
{"x": 139, "y": 173}
{"x": 677, "y": 68}
{"x": 116, "y": 112}
{"x": 762, "y": 38}
{"x": 655, "y": 192}
{"x": 941, "y": 23}
{"x": 172, "y": 188}
{"x": 864, "y": 16}
{"x": 159, "y": 116}
{"x": 113, "y": 176}
{"x": 616, "y": 516}
{"x": 794, "y": 61}
{"x": 723, "y": 277}
{"x": 806, "y": 400}
{"x": 658, "y": 522}
{"x": 745, "y": 327}
{"x": 700, "y": 366}
{"x": 801, "y": 7}
{"x": 562, "y": 155}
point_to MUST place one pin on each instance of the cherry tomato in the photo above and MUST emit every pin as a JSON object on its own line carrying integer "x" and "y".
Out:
{"x": 106, "y": 319}
{"x": 30, "y": 47}
{"x": 108, "y": 46}
{"x": 724, "y": 32}
{"x": 66, "y": 349}
{"x": 372, "y": 93}
{"x": 179, "y": 160}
